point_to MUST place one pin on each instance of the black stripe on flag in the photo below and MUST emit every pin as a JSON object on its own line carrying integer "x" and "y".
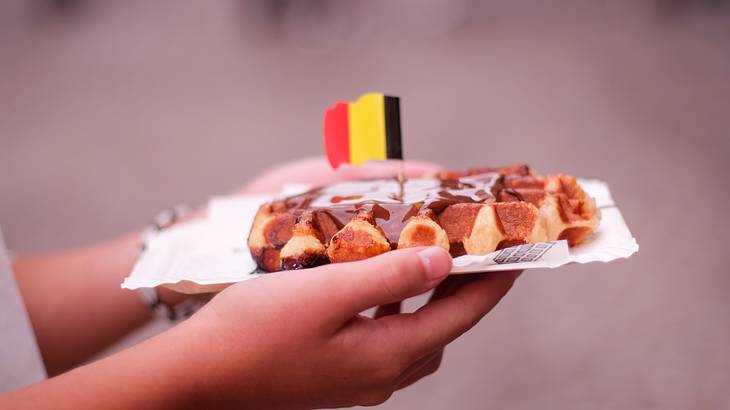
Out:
{"x": 393, "y": 148}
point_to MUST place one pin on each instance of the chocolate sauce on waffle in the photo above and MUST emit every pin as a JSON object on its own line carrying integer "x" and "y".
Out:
{"x": 392, "y": 202}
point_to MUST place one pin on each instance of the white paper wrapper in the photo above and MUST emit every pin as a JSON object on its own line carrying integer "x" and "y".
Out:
{"x": 210, "y": 254}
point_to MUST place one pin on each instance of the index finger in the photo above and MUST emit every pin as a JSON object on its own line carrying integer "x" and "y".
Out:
{"x": 441, "y": 321}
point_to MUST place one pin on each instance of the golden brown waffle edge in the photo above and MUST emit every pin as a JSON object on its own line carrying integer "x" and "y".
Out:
{"x": 520, "y": 207}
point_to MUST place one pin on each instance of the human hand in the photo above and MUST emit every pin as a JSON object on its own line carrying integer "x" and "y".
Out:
{"x": 448, "y": 287}
{"x": 297, "y": 339}
{"x": 315, "y": 171}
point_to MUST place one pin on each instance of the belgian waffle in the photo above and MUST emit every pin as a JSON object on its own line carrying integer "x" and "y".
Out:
{"x": 474, "y": 212}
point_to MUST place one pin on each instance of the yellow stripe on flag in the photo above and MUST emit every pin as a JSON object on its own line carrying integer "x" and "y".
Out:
{"x": 367, "y": 128}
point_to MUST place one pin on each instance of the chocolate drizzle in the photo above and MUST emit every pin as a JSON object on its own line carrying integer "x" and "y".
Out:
{"x": 392, "y": 202}
{"x": 515, "y": 194}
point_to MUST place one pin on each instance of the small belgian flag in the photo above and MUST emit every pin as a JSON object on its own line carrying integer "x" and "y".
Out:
{"x": 366, "y": 129}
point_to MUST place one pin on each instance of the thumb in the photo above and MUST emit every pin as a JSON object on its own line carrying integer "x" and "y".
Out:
{"x": 387, "y": 278}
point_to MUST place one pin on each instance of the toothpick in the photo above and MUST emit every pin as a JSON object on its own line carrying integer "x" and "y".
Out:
{"x": 401, "y": 178}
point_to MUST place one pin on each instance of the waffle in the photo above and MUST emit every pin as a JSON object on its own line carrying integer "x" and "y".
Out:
{"x": 474, "y": 212}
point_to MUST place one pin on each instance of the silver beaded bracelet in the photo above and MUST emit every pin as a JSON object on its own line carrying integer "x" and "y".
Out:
{"x": 150, "y": 297}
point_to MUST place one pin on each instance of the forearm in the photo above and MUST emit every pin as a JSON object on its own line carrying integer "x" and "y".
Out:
{"x": 75, "y": 302}
{"x": 285, "y": 341}
{"x": 152, "y": 375}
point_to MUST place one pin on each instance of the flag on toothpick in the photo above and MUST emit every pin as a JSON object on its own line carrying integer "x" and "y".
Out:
{"x": 366, "y": 129}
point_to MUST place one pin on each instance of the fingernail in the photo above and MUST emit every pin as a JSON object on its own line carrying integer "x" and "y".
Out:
{"x": 436, "y": 261}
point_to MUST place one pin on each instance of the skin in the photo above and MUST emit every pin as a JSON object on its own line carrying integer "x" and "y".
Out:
{"x": 288, "y": 340}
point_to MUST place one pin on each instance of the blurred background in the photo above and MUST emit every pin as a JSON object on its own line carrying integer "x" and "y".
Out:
{"x": 111, "y": 111}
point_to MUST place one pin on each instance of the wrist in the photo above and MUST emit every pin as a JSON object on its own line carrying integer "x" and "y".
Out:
{"x": 157, "y": 373}
{"x": 215, "y": 364}
{"x": 192, "y": 366}
{"x": 172, "y": 354}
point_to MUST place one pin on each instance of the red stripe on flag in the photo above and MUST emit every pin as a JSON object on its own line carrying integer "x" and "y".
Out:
{"x": 336, "y": 135}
